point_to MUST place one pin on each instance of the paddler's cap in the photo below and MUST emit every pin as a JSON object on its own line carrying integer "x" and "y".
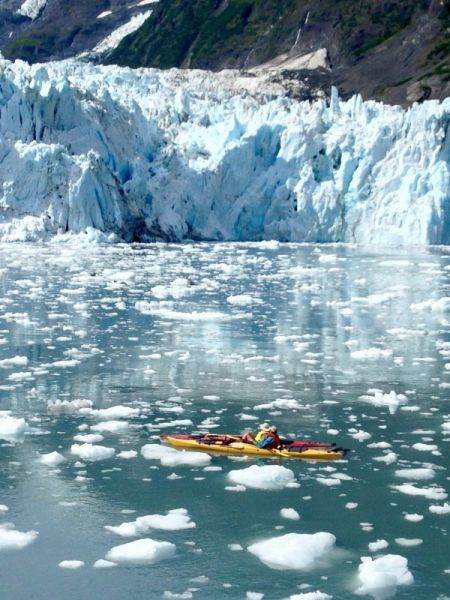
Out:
{"x": 265, "y": 427}
{"x": 273, "y": 429}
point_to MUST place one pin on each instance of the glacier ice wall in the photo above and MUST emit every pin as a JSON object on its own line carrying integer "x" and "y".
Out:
{"x": 174, "y": 155}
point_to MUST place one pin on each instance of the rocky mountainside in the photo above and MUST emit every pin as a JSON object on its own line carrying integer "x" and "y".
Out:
{"x": 391, "y": 50}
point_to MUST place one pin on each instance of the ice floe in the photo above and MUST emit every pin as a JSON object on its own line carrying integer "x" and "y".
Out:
{"x": 169, "y": 457}
{"x": 92, "y": 452}
{"x": 174, "y": 520}
{"x": 12, "y": 539}
{"x": 145, "y": 551}
{"x": 298, "y": 551}
{"x": 266, "y": 477}
{"x": 380, "y": 576}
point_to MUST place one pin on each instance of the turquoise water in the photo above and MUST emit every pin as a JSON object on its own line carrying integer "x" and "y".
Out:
{"x": 296, "y": 331}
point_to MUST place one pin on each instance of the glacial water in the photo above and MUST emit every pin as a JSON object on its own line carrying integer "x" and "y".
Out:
{"x": 154, "y": 328}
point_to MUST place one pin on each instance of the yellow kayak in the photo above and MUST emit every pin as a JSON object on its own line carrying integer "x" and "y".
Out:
{"x": 232, "y": 445}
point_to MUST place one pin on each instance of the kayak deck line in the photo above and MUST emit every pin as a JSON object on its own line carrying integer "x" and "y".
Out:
{"x": 236, "y": 447}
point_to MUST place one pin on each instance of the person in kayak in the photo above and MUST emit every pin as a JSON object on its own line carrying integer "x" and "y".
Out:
{"x": 266, "y": 437}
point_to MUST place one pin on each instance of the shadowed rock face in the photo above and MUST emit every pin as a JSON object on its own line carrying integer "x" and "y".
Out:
{"x": 396, "y": 51}
{"x": 182, "y": 154}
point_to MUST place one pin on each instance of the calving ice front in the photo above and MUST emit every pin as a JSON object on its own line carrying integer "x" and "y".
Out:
{"x": 172, "y": 155}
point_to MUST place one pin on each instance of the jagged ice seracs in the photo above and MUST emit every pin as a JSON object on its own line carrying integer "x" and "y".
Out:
{"x": 170, "y": 155}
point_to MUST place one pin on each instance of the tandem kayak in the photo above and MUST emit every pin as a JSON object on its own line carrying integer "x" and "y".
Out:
{"x": 233, "y": 445}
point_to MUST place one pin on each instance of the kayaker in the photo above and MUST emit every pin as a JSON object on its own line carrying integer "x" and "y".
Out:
{"x": 267, "y": 437}
{"x": 276, "y": 441}
{"x": 251, "y": 438}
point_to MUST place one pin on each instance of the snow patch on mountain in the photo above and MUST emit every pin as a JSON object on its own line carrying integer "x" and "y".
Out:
{"x": 32, "y": 8}
{"x": 147, "y": 154}
{"x": 116, "y": 36}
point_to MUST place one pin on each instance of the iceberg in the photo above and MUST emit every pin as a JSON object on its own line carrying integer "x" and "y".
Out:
{"x": 143, "y": 155}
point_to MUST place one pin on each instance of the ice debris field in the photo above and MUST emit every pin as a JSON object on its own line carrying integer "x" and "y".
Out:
{"x": 104, "y": 347}
{"x": 145, "y": 155}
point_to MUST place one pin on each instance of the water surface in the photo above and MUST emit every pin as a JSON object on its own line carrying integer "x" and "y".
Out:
{"x": 130, "y": 334}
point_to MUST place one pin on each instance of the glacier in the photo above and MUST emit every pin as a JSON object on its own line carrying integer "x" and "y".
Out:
{"x": 143, "y": 155}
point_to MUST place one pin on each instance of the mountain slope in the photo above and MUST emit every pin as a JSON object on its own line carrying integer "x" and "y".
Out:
{"x": 60, "y": 28}
{"x": 396, "y": 51}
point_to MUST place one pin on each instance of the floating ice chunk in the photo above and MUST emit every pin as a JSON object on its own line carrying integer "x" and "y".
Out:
{"x": 174, "y": 520}
{"x": 71, "y": 564}
{"x": 65, "y": 364}
{"x": 388, "y": 458}
{"x": 415, "y": 474}
{"x": 101, "y": 563}
{"x": 328, "y": 481}
{"x": 127, "y": 454}
{"x": 68, "y": 406}
{"x": 235, "y": 547}
{"x": 245, "y": 417}
{"x": 408, "y": 541}
{"x": 12, "y": 539}
{"x": 14, "y": 361}
{"x": 351, "y": 505}
{"x": 88, "y": 438}
{"x": 235, "y": 488}
{"x": 3, "y": 508}
{"x": 53, "y": 459}
{"x": 371, "y": 354}
{"x": 431, "y": 493}
{"x": 361, "y": 435}
{"x": 254, "y": 596}
{"x": 444, "y": 509}
{"x": 299, "y": 551}
{"x": 243, "y": 300}
{"x": 266, "y": 477}
{"x": 154, "y": 308}
{"x": 20, "y": 376}
{"x": 413, "y": 517}
{"x": 328, "y": 258}
{"x": 378, "y": 545}
{"x": 92, "y": 452}
{"x": 380, "y": 577}
{"x": 289, "y": 513}
{"x": 425, "y": 447}
{"x": 280, "y": 403}
{"x": 141, "y": 552}
{"x": 177, "y": 289}
{"x": 433, "y": 305}
{"x": 169, "y": 457}
{"x": 11, "y": 428}
{"x": 318, "y": 595}
{"x": 116, "y": 412}
{"x": 392, "y": 400}
{"x": 381, "y": 445}
{"x": 111, "y": 427}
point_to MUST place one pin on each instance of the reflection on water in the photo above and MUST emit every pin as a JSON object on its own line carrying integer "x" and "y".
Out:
{"x": 203, "y": 334}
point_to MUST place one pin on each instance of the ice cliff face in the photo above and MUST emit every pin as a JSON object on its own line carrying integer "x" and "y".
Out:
{"x": 180, "y": 155}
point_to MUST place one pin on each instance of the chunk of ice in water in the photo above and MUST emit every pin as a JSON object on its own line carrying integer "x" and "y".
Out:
{"x": 298, "y": 551}
{"x": 145, "y": 551}
{"x": 266, "y": 477}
